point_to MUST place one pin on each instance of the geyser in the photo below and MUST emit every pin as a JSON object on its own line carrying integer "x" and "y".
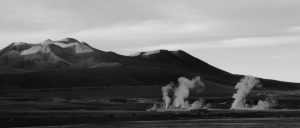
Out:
{"x": 181, "y": 92}
{"x": 183, "y": 89}
{"x": 244, "y": 86}
{"x": 166, "y": 92}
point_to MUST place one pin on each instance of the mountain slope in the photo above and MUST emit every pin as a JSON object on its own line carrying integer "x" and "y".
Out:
{"x": 70, "y": 63}
{"x": 54, "y": 54}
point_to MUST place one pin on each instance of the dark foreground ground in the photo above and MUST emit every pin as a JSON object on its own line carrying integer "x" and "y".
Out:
{"x": 61, "y": 118}
{"x": 109, "y": 107}
{"x": 200, "y": 123}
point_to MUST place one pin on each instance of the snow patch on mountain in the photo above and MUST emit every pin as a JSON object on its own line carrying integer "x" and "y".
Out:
{"x": 145, "y": 54}
{"x": 56, "y": 59}
{"x": 79, "y": 47}
{"x": 151, "y": 53}
{"x": 35, "y": 49}
{"x": 19, "y": 43}
{"x": 68, "y": 40}
{"x": 44, "y": 47}
{"x": 136, "y": 54}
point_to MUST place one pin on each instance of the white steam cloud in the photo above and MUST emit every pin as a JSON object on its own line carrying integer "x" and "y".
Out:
{"x": 166, "y": 92}
{"x": 181, "y": 93}
{"x": 268, "y": 102}
{"x": 183, "y": 90}
{"x": 244, "y": 86}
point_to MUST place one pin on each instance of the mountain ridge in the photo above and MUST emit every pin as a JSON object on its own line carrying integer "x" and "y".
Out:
{"x": 48, "y": 64}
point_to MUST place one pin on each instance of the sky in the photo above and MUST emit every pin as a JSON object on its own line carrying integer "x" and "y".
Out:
{"x": 251, "y": 37}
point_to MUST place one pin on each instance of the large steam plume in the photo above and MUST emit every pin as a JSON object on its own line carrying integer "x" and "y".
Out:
{"x": 181, "y": 93}
{"x": 244, "y": 87}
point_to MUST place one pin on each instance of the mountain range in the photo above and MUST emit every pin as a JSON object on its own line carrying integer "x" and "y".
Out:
{"x": 71, "y": 63}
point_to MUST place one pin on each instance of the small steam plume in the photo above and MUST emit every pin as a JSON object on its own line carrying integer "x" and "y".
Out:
{"x": 261, "y": 105}
{"x": 181, "y": 93}
{"x": 166, "y": 92}
{"x": 197, "y": 104}
{"x": 244, "y": 87}
{"x": 268, "y": 102}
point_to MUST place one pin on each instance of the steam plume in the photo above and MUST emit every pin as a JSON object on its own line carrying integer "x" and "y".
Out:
{"x": 166, "y": 92}
{"x": 182, "y": 91}
{"x": 266, "y": 103}
{"x": 244, "y": 87}
{"x": 197, "y": 104}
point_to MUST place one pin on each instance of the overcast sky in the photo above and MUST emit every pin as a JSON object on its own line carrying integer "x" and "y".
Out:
{"x": 256, "y": 37}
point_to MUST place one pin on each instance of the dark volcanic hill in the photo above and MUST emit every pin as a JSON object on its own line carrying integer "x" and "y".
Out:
{"x": 70, "y": 63}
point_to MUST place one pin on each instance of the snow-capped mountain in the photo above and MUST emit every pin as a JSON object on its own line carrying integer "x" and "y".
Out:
{"x": 67, "y": 52}
{"x": 72, "y": 53}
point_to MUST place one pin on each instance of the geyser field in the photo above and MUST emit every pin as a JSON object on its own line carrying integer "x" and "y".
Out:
{"x": 183, "y": 99}
{"x": 182, "y": 90}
